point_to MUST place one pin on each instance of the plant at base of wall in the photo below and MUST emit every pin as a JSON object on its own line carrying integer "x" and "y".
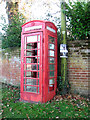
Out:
{"x": 62, "y": 88}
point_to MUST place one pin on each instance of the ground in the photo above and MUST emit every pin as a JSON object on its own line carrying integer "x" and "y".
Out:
{"x": 67, "y": 106}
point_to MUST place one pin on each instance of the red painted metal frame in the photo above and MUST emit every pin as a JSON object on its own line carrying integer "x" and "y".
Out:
{"x": 51, "y": 94}
{"x": 44, "y": 94}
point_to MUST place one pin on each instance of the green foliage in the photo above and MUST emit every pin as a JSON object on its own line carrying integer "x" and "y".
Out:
{"x": 58, "y": 36}
{"x": 62, "y": 88}
{"x": 12, "y": 36}
{"x": 78, "y": 14}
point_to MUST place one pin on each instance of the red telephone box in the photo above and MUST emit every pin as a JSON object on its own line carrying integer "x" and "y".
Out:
{"x": 38, "y": 61}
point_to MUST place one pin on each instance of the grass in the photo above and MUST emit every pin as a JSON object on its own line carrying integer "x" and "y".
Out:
{"x": 57, "y": 108}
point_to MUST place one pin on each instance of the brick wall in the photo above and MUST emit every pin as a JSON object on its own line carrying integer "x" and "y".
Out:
{"x": 78, "y": 66}
{"x": 11, "y": 66}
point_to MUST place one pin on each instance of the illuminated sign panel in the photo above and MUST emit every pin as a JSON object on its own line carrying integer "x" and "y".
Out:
{"x": 33, "y": 28}
{"x": 51, "y": 29}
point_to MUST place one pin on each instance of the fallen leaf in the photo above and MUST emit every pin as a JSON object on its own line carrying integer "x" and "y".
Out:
{"x": 66, "y": 107}
{"x": 4, "y": 107}
{"x": 57, "y": 107}
{"x": 57, "y": 117}
{"x": 10, "y": 109}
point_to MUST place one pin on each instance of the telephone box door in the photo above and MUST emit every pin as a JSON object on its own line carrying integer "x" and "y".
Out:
{"x": 31, "y": 67}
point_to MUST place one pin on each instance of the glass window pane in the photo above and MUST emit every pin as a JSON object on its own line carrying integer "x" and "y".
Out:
{"x": 38, "y": 74}
{"x": 38, "y": 52}
{"x": 31, "y": 52}
{"x": 25, "y": 43}
{"x": 38, "y": 82}
{"x": 32, "y": 38}
{"x": 31, "y": 74}
{"x": 31, "y": 67}
{"x": 31, "y": 60}
{"x": 51, "y": 60}
{"x": 24, "y": 80}
{"x": 51, "y": 82}
{"x": 38, "y": 59}
{"x": 51, "y": 39}
{"x": 24, "y": 73}
{"x": 52, "y": 67}
{"x": 38, "y": 37}
{"x": 51, "y": 73}
{"x": 51, "y": 53}
{"x": 51, "y": 46}
{"x": 38, "y": 89}
{"x": 28, "y": 60}
{"x": 24, "y": 67}
{"x": 31, "y": 89}
{"x": 31, "y": 45}
{"x": 28, "y": 74}
{"x": 38, "y": 45}
{"x": 24, "y": 88}
{"x": 31, "y": 81}
{"x": 38, "y": 66}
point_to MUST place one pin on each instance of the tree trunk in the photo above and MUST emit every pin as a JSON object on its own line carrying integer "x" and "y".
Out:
{"x": 63, "y": 41}
{"x": 11, "y": 9}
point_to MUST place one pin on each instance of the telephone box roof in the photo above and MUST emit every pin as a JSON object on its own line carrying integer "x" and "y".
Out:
{"x": 42, "y": 21}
